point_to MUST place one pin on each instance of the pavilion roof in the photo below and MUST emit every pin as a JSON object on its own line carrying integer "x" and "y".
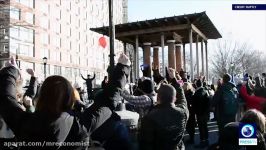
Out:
{"x": 175, "y": 27}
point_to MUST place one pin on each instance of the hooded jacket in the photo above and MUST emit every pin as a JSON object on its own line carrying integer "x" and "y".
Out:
{"x": 218, "y": 98}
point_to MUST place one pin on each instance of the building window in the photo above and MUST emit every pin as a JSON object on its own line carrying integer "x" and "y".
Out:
{"x": 44, "y": 23}
{"x": 57, "y": 41}
{"x": 45, "y": 38}
{"x": 26, "y": 50}
{"x": 26, "y": 35}
{"x": 57, "y": 13}
{"x": 44, "y": 7}
{"x": 14, "y": 32}
{"x": 56, "y": 55}
{"x": 68, "y": 72}
{"x": 57, "y": 70}
{"x": 4, "y": 48}
{"x": 14, "y": 13}
{"x": 87, "y": 50}
{"x": 67, "y": 31}
{"x": 75, "y": 60}
{"x": 56, "y": 28}
{"x": 28, "y": 3}
{"x": 14, "y": 47}
{"x": 29, "y": 17}
{"x": 44, "y": 53}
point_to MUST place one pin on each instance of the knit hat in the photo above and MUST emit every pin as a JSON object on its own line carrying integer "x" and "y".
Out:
{"x": 147, "y": 86}
{"x": 123, "y": 59}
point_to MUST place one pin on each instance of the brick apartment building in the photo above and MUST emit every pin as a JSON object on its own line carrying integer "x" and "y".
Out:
{"x": 59, "y": 30}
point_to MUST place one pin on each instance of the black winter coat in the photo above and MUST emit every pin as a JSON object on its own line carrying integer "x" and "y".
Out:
{"x": 42, "y": 128}
{"x": 163, "y": 128}
{"x": 201, "y": 102}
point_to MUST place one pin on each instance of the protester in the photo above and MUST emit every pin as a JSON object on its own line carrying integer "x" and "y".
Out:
{"x": 25, "y": 103}
{"x": 164, "y": 126}
{"x": 89, "y": 84}
{"x": 226, "y": 102}
{"x": 53, "y": 120}
{"x": 202, "y": 103}
{"x": 219, "y": 83}
{"x": 145, "y": 101}
{"x": 191, "y": 123}
{"x": 104, "y": 82}
{"x": 264, "y": 80}
{"x": 252, "y": 101}
{"x": 113, "y": 134}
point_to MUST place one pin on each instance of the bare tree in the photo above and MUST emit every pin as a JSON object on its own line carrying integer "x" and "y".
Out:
{"x": 235, "y": 58}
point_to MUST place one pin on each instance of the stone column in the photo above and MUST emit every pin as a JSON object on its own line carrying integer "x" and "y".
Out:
{"x": 147, "y": 56}
{"x": 136, "y": 57}
{"x": 184, "y": 57}
{"x": 206, "y": 53}
{"x": 191, "y": 55}
{"x": 197, "y": 55}
{"x": 156, "y": 57}
{"x": 162, "y": 45}
{"x": 171, "y": 53}
{"x": 178, "y": 58}
{"x": 202, "y": 59}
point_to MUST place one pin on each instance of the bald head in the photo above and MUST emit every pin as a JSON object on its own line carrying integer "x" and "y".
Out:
{"x": 166, "y": 94}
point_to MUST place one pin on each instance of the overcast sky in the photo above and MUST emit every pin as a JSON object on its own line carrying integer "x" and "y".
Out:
{"x": 242, "y": 26}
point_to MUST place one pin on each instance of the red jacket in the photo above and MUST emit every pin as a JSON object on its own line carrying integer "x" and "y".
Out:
{"x": 252, "y": 101}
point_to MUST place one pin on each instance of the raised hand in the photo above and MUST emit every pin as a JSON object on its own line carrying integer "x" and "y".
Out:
{"x": 30, "y": 72}
{"x": 11, "y": 62}
{"x": 27, "y": 101}
{"x": 171, "y": 73}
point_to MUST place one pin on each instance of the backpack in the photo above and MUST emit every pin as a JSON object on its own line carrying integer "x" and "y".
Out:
{"x": 230, "y": 101}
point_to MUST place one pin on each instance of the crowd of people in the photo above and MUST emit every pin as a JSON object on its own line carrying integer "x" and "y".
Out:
{"x": 168, "y": 107}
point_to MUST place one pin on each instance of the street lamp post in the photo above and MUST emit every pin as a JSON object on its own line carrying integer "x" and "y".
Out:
{"x": 44, "y": 66}
{"x": 112, "y": 37}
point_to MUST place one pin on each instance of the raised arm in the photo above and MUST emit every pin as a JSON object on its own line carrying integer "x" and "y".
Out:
{"x": 93, "y": 77}
{"x": 138, "y": 101}
{"x": 32, "y": 89}
{"x": 9, "y": 107}
{"x": 181, "y": 101}
{"x": 94, "y": 116}
{"x": 180, "y": 95}
{"x": 83, "y": 77}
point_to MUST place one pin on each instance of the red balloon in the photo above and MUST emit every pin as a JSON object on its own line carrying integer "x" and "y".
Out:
{"x": 102, "y": 41}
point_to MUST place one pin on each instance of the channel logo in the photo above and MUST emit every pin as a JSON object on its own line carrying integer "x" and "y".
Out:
{"x": 247, "y": 134}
